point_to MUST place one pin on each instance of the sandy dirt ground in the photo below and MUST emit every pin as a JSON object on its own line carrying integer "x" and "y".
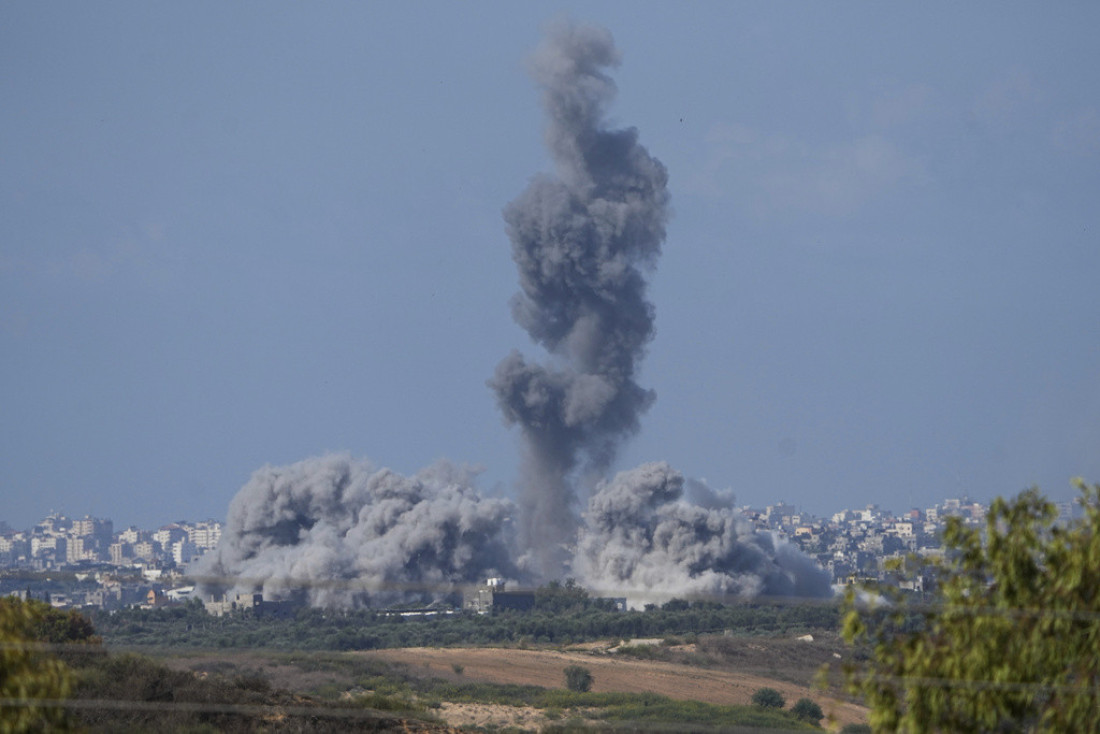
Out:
{"x": 486, "y": 715}
{"x": 610, "y": 673}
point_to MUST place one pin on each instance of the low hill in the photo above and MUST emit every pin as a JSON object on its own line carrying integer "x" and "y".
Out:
{"x": 616, "y": 673}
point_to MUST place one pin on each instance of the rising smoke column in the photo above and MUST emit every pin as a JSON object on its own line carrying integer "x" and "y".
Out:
{"x": 362, "y": 535}
{"x": 641, "y": 538}
{"x": 580, "y": 240}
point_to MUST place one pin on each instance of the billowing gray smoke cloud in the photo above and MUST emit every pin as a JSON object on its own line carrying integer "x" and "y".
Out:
{"x": 351, "y": 533}
{"x": 580, "y": 240}
{"x": 640, "y": 538}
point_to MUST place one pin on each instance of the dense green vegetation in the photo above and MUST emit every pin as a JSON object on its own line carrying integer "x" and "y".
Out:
{"x": 103, "y": 692}
{"x": 31, "y": 674}
{"x": 695, "y": 714}
{"x": 553, "y": 622}
{"x": 135, "y": 693}
{"x": 55, "y": 676}
{"x": 1009, "y": 643}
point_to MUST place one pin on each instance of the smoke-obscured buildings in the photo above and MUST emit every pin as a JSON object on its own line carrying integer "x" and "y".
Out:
{"x": 851, "y": 544}
{"x": 494, "y": 594}
{"x": 251, "y": 603}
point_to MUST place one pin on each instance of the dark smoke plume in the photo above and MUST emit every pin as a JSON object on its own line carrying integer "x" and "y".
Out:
{"x": 381, "y": 536}
{"x": 354, "y": 535}
{"x": 642, "y": 539}
{"x": 580, "y": 240}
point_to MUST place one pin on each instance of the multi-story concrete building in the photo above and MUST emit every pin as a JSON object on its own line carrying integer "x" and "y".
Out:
{"x": 169, "y": 534}
{"x": 205, "y": 534}
{"x": 48, "y": 551}
{"x": 184, "y": 552}
{"x": 79, "y": 548}
{"x": 146, "y": 550}
{"x": 120, "y": 553}
{"x": 133, "y": 535}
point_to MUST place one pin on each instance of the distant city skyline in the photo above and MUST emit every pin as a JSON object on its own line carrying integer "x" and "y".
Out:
{"x": 233, "y": 238}
{"x": 823, "y": 513}
{"x": 948, "y": 502}
{"x": 155, "y": 567}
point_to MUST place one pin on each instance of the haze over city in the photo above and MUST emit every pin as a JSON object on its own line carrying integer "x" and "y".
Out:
{"x": 241, "y": 236}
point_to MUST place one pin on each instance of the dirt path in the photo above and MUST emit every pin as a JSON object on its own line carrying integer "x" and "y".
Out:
{"x": 610, "y": 673}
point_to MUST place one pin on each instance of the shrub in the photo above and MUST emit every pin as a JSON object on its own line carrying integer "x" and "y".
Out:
{"x": 578, "y": 678}
{"x": 642, "y": 652}
{"x": 768, "y": 698}
{"x": 1009, "y": 636}
{"x": 807, "y": 710}
{"x": 28, "y": 673}
{"x": 252, "y": 681}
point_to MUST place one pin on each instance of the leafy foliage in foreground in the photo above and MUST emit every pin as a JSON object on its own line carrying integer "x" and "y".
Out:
{"x": 49, "y": 656}
{"x": 147, "y": 695}
{"x": 1010, "y": 643}
{"x": 30, "y": 671}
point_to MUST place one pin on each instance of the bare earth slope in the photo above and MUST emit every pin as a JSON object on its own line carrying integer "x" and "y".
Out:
{"x": 610, "y": 673}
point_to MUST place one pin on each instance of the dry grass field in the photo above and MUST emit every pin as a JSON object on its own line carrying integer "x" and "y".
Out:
{"x": 724, "y": 671}
{"x": 610, "y": 673}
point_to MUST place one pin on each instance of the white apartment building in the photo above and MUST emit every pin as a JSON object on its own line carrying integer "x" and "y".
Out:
{"x": 184, "y": 551}
{"x": 205, "y": 534}
{"x": 169, "y": 534}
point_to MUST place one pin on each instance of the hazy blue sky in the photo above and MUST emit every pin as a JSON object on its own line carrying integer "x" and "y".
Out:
{"x": 234, "y": 234}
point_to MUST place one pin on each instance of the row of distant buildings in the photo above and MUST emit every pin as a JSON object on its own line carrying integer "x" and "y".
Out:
{"x": 103, "y": 568}
{"x": 59, "y": 542}
{"x": 855, "y": 545}
{"x": 145, "y": 567}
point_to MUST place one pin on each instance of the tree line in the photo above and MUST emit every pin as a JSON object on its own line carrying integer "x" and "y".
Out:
{"x": 563, "y": 614}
